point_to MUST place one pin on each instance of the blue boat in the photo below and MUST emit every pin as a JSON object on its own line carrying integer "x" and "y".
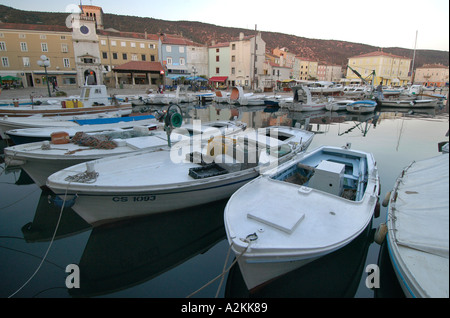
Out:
{"x": 362, "y": 106}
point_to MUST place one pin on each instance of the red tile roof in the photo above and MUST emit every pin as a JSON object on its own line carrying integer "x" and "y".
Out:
{"x": 35, "y": 27}
{"x": 380, "y": 53}
{"x": 140, "y": 66}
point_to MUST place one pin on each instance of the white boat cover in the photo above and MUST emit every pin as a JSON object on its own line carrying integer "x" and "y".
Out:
{"x": 422, "y": 207}
{"x": 419, "y": 228}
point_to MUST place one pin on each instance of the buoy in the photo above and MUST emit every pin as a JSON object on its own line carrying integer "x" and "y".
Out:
{"x": 386, "y": 199}
{"x": 380, "y": 233}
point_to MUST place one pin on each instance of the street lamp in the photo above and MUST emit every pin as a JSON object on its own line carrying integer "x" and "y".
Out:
{"x": 45, "y": 62}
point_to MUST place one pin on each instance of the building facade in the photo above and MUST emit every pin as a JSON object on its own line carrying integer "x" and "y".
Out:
{"x": 432, "y": 75}
{"x": 304, "y": 69}
{"x": 390, "y": 70}
{"x": 22, "y": 45}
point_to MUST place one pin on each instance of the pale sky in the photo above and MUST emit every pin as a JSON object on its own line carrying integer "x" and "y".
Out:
{"x": 381, "y": 23}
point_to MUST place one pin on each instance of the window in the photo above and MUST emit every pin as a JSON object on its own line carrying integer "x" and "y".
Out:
{"x": 217, "y": 70}
{"x": 22, "y": 36}
{"x": 217, "y": 50}
{"x": 181, "y": 60}
{"x": 133, "y": 44}
{"x": 64, "y": 48}
{"x": 26, "y": 61}
{"x": 169, "y": 60}
{"x": 23, "y": 46}
{"x": 66, "y": 62}
{"x": 233, "y": 70}
{"x": 217, "y": 58}
{"x": 152, "y": 58}
{"x": 103, "y": 42}
{"x": 151, "y": 46}
{"x": 143, "y": 58}
{"x": 124, "y": 56}
{"x": 42, "y": 36}
{"x": 5, "y": 62}
{"x": 62, "y": 37}
{"x": 105, "y": 55}
{"x": 233, "y": 46}
{"x": 113, "y": 43}
{"x": 2, "y": 46}
{"x": 123, "y": 44}
{"x": 233, "y": 58}
{"x": 168, "y": 48}
{"x": 134, "y": 57}
{"x": 142, "y": 45}
{"x": 114, "y": 56}
{"x": 181, "y": 49}
{"x": 44, "y": 47}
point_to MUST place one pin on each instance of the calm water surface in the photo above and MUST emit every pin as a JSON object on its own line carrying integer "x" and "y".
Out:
{"x": 174, "y": 254}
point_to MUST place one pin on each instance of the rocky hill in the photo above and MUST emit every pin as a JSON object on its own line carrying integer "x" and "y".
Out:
{"x": 331, "y": 51}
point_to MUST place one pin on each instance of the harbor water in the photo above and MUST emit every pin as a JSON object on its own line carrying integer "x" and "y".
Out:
{"x": 176, "y": 254}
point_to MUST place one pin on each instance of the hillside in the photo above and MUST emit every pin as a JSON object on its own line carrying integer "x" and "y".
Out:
{"x": 331, "y": 51}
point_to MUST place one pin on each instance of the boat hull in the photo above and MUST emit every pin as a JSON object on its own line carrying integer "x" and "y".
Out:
{"x": 109, "y": 206}
{"x": 59, "y": 111}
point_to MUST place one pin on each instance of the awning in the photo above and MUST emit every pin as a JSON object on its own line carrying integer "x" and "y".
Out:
{"x": 218, "y": 78}
{"x": 196, "y": 78}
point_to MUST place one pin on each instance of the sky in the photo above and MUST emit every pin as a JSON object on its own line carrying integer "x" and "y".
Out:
{"x": 381, "y": 23}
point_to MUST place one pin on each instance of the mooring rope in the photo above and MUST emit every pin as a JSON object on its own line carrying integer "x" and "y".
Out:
{"x": 48, "y": 249}
{"x": 224, "y": 271}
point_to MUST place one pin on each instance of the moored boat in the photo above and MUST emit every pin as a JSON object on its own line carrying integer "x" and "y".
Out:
{"x": 307, "y": 207}
{"x": 185, "y": 175}
{"x": 418, "y": 228}
{"x": 93, "y": 99}
{"x": 362, "y": 106}
{"x": 303, "y": 100}
{"x": 92, "y": 125}
{"x": 41, "y": 159}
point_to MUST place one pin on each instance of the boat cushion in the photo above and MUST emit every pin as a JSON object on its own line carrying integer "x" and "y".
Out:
{"x": 278, "y": 219}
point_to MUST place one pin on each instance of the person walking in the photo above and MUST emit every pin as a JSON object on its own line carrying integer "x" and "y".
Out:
{"x": 380, "y": 91}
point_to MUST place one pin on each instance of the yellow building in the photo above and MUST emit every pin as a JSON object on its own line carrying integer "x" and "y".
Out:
{"x": 390, "y": 70}
{"x": 73, "y": 52}
{"x": 305, "y": 69}
{"x": 118, "y": 48}
{"x": 22, "y": 45}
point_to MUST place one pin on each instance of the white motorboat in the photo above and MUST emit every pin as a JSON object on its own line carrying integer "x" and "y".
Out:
{"x": 326, "y": 88}
{"x": 306, "y": 208}
{"x": 357, "y": 92}
{"x": 338, "y": 104}
{"x": 221, "y": 97}
{"x": 38, "y": 121}
{"x": 189, "y": 174}
{"x": 414, "y": 103}
{"x": 41, "y": 159}
{"x": 93, "y": 99}
{"x": 362, "y": 106}
{"x": 418, "y": 228}
{"x": 303, "y": 100}
{"x": 181, "y": 96}
{"x": 93, "y": 125}
{"x": 238, "y": 97}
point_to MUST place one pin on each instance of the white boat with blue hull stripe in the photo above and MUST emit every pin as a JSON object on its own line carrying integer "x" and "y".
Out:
{"x": 166, "y": 179}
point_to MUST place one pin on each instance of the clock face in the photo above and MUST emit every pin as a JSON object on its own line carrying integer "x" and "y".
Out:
{"x": 84, "y": 29}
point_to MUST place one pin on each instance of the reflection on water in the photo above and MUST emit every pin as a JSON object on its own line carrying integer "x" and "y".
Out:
{"x": 175, "y": 254}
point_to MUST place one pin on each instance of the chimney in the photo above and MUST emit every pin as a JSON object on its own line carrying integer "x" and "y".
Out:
{"x": 241, "y": 36}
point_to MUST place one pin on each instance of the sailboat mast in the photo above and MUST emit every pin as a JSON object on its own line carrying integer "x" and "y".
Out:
{"x": 414, "y": 57}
